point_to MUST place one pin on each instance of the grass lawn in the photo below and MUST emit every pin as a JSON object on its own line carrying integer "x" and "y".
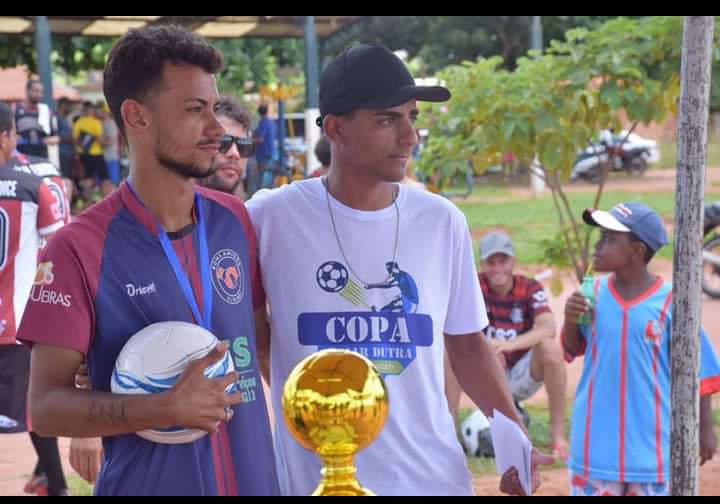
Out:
{"x": 530, "y": 221}
{"x": 668, "y": 155}
{"x": 78, "y": 486}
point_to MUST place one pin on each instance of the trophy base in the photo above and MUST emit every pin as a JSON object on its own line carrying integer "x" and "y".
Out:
{"x": 331, "y": 490}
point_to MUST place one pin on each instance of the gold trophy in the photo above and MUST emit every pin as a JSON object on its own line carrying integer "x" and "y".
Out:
{"x": 335, "y": 403}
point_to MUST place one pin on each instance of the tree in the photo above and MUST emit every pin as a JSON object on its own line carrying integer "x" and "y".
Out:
{"x": 554, "y": 105}
{"x": 687, "y": 261}
{"x": 439, "y": 41}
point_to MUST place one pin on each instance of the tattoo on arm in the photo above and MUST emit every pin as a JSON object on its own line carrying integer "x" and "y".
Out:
{"x": 110, "y": 412}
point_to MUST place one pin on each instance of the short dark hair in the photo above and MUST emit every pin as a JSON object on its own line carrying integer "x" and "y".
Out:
{"x": 136, "y": 61}
{"x": 6, "y": 117}
{"x": 31, "y": 82}
{"x": 322, "y": 151}
{"x": 231, "y": 108}
{"x": 263, "y": 110}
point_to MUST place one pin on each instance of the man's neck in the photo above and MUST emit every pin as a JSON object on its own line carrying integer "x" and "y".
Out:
{"x": 632, "y": 282}
{"x": 167, "y": 195}
{"x": 360, "y": 193}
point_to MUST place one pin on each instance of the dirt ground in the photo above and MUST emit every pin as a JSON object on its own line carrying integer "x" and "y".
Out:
{"x": 17, "y": 457}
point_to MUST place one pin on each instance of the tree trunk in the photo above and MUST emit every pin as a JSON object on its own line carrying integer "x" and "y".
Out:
{"x": 687, "y": 263}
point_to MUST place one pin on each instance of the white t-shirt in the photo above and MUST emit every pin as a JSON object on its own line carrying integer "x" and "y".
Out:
{"x": 316, "y": 302}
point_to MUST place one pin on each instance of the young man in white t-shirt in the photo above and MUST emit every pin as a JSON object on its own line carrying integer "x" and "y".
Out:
{"x": 357, "y": 261}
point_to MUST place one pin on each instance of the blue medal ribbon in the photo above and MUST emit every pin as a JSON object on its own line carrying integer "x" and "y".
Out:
{"x": 205, "y": 281}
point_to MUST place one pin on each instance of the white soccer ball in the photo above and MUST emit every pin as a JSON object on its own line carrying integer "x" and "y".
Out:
{"x": 153, "y": 359}
{"x": 475, "y": 435}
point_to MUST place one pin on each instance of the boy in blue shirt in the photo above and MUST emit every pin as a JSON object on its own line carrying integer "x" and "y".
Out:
{"x": 620, "y": 430}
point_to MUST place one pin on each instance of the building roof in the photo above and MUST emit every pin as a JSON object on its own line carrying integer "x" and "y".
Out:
{"x": 207, "y": 26}
{"x": 12, "y": 86}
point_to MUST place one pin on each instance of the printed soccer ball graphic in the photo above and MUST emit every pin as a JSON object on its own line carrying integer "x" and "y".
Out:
{"x": 332, "y": 276}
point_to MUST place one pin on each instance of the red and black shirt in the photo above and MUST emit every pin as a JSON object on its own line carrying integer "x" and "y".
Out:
{"x": 513, "y": 314}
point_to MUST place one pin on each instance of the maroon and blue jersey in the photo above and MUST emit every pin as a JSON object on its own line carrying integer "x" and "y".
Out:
{"x": 621, "y": 414}
{"x": 104, "y": 278}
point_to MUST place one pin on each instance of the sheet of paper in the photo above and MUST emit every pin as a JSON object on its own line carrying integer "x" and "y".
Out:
{"x": 512, "y": 448}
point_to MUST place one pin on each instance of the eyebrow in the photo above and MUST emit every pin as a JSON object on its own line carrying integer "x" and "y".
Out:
{"x": 390, "y": 113}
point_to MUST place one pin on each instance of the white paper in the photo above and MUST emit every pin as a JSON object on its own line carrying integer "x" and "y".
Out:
{"x": 512, "y": 448}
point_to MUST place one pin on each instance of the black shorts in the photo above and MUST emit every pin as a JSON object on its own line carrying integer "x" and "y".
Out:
{"x": 14, "y": 378}
{"x": 95, "y": 167}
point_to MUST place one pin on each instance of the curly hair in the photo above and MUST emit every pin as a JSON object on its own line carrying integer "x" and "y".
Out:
{"x": 229, "y": 107}
{"x": 135, "y": 63}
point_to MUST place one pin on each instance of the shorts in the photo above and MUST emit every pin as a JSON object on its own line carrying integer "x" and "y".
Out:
{"x": 14, "y": 378}
{"x": 95, "y": 167}
{"x": 521, "y": 381}
{"x": 580, "y": 487}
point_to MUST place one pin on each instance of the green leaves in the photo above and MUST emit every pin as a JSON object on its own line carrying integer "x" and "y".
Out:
{"x": 554, "y": 104}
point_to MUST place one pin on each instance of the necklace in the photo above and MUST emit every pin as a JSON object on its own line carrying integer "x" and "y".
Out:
{"x": 339, "y": 243}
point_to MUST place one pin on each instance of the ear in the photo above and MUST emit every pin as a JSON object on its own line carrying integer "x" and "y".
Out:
{"x": 135, "y": 115}
{"x": 640, "y": 249}
{"x": 333, "y": 128}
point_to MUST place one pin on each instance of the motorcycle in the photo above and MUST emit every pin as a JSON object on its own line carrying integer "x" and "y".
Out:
{"x": 628, "y": 156}
{"x": 711, "y": 250}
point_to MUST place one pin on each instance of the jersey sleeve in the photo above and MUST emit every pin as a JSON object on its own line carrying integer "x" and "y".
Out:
{"x": 709, "y": 367}
{"x": 50, "y": 216}
{"x": 466, "y": 307}
{"x": 538, "y": 299}
{"x": 60, "y": 311}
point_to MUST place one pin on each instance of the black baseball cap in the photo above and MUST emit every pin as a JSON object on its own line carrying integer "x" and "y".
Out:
{"x": 370, "y": 76}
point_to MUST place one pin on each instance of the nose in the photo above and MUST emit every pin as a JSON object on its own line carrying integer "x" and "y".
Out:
{"x": 233, "y": 152}
{"x": 409, "y": 134}
{"x": 214, "y": 130}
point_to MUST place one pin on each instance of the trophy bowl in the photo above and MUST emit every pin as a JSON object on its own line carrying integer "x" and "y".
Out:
{"x": 335, "y": 403}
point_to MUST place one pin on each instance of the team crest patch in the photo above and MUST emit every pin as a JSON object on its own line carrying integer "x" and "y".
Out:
{"x": 653, "y": 332}
{"x": 227, "y": 276}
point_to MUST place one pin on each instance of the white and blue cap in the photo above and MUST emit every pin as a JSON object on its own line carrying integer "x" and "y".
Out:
{"x": 635, "y": 218}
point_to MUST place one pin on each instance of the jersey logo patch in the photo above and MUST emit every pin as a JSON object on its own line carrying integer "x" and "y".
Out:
{"x": 227, "y": 276}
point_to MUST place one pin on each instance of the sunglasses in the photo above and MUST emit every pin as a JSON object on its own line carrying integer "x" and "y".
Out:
{"x": 245, "y": 146}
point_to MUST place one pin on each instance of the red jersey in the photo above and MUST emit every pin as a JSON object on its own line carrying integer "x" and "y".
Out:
{"x": 28, "y": 212}
{"x": 513, "y": 314}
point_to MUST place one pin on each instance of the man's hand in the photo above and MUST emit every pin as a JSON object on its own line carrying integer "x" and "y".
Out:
{"x": 85, "y": 457}
{"x": 499, "y": 347}
{"x": 510, "y": 480}
{"x": 708, "y": 444}
{"x": 51, "y": 140}
{"x": 199, "y": 402}
{"x": 576, "y": 306}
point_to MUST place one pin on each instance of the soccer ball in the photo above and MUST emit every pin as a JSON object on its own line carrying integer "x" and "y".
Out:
{"x": 332, "y": 276}
{"x": 475, "y": 436}
{"x": 153, "y": 359}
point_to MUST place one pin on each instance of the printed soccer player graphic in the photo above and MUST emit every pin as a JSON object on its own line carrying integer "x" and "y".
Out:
{"x": 408, "y": 299}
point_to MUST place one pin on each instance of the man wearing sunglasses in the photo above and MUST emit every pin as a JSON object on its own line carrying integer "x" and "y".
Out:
{"x": 235, "y": 149}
